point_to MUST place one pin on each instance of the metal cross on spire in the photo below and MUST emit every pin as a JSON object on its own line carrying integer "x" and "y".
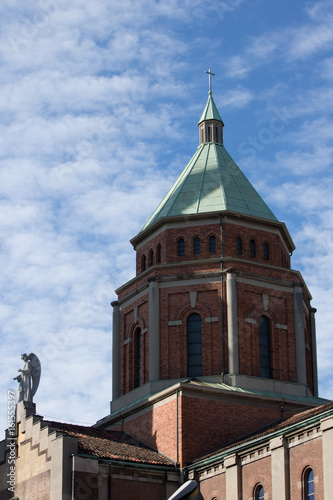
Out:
{"x": 210, "y": 80}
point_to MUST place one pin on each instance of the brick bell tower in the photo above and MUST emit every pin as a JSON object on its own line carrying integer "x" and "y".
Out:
{"x": 215, "y": 336}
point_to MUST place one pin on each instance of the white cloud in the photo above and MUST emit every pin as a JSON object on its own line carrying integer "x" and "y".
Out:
{"x": 289, "y": 44}
{"x": 238, "y": 98}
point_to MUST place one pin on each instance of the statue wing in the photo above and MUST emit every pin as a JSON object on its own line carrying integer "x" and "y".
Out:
{"x": 35, "y": 372}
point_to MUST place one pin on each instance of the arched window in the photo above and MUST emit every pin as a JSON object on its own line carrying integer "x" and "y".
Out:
{"x": 259, "y": 492}
{"x": 181, "y": 247}
{"x": 309, "y": 485}
{"x": 212, "y": 244}
{"x": 264, "y": 347}
{"x": 266, "y": 251}
{"x": 253, "y": 251}
{"x": 138, "y": 357}
{"x": 159, "y": 254}
{"x": 196, "y": 246}
{"x": 208, "y": 133}
{"x": 194, "y": 346}
{"x": 151, "y": 257}
{"x": 239, "y": 245}
{"x": 143, "y": 263}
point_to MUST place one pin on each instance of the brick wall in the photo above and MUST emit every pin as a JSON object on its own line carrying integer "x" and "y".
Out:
{"x": 279, "y": 309}
{"x": 176, "y": 306}
{"x": 254, "y": 473}
{"x": 213, "y": 487}
{"x": 157, "y": 427}
{"x": 302, "y": 455}
{"x": 137, "y": 488}
{"x": 204, "y": 424}
{"x": 303, "y": 450}
{"x": 168, "y": 239}
{"x": 211, "y": 424}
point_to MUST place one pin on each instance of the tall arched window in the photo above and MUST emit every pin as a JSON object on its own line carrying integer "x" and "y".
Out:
{"x": 239, "y": 245}
{"x": 159, "y": 254}
{"x": 212, "y": 244}
{"x": 138, "y": 357}
{"x": 181, "y": 247}
{"x": 266, "y": 251}
{"x": 196, "y": 246}
{"x": 259, "y": 492}
{"x": 194, "y": 346}
{"x": 143, "y": 263}
{"x": 264, "y": 347}
{"x": 151, "y": 257}
{"x": 253, "y": 251}
{"x": 309, "y": 485}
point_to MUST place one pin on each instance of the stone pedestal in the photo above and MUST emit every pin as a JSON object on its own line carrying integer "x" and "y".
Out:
{"x": 24, "y": 409}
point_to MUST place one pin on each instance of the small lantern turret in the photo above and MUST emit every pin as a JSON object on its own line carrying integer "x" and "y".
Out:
{"x": 210, "y": 123}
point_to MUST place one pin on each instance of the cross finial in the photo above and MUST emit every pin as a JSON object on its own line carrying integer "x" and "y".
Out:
{"x": 210, "y": 81}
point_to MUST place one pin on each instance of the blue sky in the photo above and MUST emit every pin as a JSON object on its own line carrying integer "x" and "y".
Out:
{"x": 99, "y": 106}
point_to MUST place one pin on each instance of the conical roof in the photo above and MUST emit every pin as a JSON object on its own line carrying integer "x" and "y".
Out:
{"x": 210, "y": 112}
{"x": 211, "y": 182}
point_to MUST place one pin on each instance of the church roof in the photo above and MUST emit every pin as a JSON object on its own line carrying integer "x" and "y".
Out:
{"x": 210, "y": 112}
{"x": 111, "y": 445}
{"x": 211, "y": 182}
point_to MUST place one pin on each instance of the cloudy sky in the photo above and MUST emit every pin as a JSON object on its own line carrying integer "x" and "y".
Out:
{"x": 99, "y": 104}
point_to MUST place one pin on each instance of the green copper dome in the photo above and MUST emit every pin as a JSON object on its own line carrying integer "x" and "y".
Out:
{"x": 211, "y": 182}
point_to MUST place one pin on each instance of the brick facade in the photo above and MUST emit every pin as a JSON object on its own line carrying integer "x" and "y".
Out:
{"x": 278, "y": 459}
{"x": 196, "y": 283}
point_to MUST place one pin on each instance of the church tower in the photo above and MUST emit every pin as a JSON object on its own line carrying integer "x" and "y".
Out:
{"x": 215, "y": 323}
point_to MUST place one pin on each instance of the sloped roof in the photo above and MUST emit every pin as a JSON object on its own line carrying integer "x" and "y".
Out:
{"x": 210, "y": 112}
{"x": 211, "y": 182}
{"x": 109, "y": 444}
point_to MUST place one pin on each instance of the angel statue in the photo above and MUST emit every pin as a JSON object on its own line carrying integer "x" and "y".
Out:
{"x": 29, "y": 377}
